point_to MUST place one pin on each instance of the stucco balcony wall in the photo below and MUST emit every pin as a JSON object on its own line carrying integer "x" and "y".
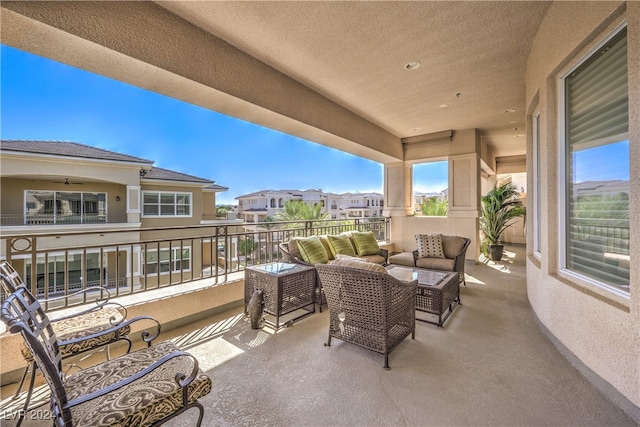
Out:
{"x": 173, "y": 307}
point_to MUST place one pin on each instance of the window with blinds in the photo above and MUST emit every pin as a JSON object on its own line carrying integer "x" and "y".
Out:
{"x": 597, "y": 166}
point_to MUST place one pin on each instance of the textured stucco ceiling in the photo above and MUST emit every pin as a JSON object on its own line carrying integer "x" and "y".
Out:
{"x": 354, "y": 54}
{"x": 328, "y": 71}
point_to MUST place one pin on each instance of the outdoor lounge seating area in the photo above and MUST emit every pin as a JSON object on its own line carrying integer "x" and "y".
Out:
{"x": 465, "y": 374}
{"x": 436, "y": 252}
{"x": 492, "y": 95}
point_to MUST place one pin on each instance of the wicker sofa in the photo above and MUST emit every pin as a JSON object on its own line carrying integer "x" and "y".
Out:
{"x": 291, "y": 251}
{"x": 368, "y": 307}
{"x": 452, "y": 258}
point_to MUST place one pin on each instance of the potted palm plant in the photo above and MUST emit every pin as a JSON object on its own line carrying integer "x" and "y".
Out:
{"x": 499, "y": 208}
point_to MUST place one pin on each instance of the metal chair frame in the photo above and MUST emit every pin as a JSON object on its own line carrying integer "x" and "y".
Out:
{"x": 22, "y": 313}
{"x": 10, "y": 282}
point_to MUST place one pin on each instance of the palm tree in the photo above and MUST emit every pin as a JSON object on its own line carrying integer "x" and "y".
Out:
{"x": 499, "y": 208}
{"x": 297, "y": 210}
{"x": 290, "y": 211}
{"x": 312, "y": 212}
{"x": 434, "y": 206}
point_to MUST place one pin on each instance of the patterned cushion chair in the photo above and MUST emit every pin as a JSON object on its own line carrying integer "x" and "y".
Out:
{"x": 368, "y": 307}
{"x": 102, "y": 324}
{"x": 141, "y": 388}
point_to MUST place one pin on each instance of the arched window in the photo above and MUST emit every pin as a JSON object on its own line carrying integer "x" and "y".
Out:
{"x": 280, "y": 203}
{"x": 273, "y": 203}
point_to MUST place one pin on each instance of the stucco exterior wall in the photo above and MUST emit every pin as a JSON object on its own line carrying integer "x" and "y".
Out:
{"x": 196, "y": 206}
{"x": 601, "y": 328}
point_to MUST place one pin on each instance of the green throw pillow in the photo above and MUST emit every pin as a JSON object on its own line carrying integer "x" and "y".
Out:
{"x": 341, "y": 245}
{"x": 312, "y": 250}
{"x": 366, "y": 243}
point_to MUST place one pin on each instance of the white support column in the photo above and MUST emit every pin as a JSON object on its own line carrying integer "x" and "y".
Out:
{"x": 134, "y": 203}
{"x": 398, "y": 189}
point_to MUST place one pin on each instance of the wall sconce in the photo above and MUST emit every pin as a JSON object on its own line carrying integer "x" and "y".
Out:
{"x": 117, "y": 198}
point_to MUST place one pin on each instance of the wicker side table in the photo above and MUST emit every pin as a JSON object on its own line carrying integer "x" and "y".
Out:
{"x": 438, "y": 291}
{"x": 286, "y": 287}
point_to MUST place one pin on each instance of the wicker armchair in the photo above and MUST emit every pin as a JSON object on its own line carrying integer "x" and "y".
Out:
{"x": 102, "y": 324}
{"x": 141, "y": 388}
{"x": 370, "y": 309}
{"x": 455, "y": 247}
{"x": 291, "y": 254}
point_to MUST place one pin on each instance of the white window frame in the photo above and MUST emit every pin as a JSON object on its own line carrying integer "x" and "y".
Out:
{"x": 537, "y": 236}
{"x": 42, "y": 257}
{"x": 175, "y": 204}
{"x": 564, "y": 271}
{"x": 175, "y": 250}
{"x": 58, "y": 217}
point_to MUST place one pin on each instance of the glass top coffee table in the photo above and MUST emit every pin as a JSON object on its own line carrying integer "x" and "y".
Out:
{"x": 438, "y": 291}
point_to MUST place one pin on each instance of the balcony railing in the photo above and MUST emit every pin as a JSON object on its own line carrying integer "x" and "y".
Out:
{"x": 51, "y": 268}
{"x": 51, "y": 219}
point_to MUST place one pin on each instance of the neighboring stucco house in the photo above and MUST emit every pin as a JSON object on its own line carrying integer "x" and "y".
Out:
{"x": 54, "y": 189}
{"x": 256, "y": 206}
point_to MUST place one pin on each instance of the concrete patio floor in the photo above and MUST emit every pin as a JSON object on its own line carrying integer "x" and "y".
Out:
{"x": 491, "y": 365}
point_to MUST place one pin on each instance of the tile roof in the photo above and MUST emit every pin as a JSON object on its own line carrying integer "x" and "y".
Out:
{"x": 169, "y": 175}
{"x": 74, "y": 149}
{"x": 68, "y": 149}
{"x": 216, "y": 187}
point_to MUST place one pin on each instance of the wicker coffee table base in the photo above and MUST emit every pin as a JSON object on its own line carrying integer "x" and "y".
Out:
{"x": 438, "y": 292}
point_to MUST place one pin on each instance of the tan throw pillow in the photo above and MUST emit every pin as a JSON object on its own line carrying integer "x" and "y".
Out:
{"x": 366, "y": 243}
{"x": 294, "y": 250}
{"x": 429, "y": 246}
{"x": 359, "y": 264}
{"x": 341, "y": 245}
{"x": 312, "y": 250}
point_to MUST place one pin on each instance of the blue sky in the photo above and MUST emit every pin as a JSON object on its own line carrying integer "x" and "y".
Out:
{"x": 603, "y": 163}
{"x": 46, "y": 100}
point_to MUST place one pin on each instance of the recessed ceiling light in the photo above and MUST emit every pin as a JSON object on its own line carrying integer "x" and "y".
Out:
{"x": 519, "y": 135}
{"x": 416, "y": 129}
{"x": 513, "y": 121}
{"x": 510, "y": 110}
{"x": 409, "y": 66}
{"x": 444, "y": 105}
